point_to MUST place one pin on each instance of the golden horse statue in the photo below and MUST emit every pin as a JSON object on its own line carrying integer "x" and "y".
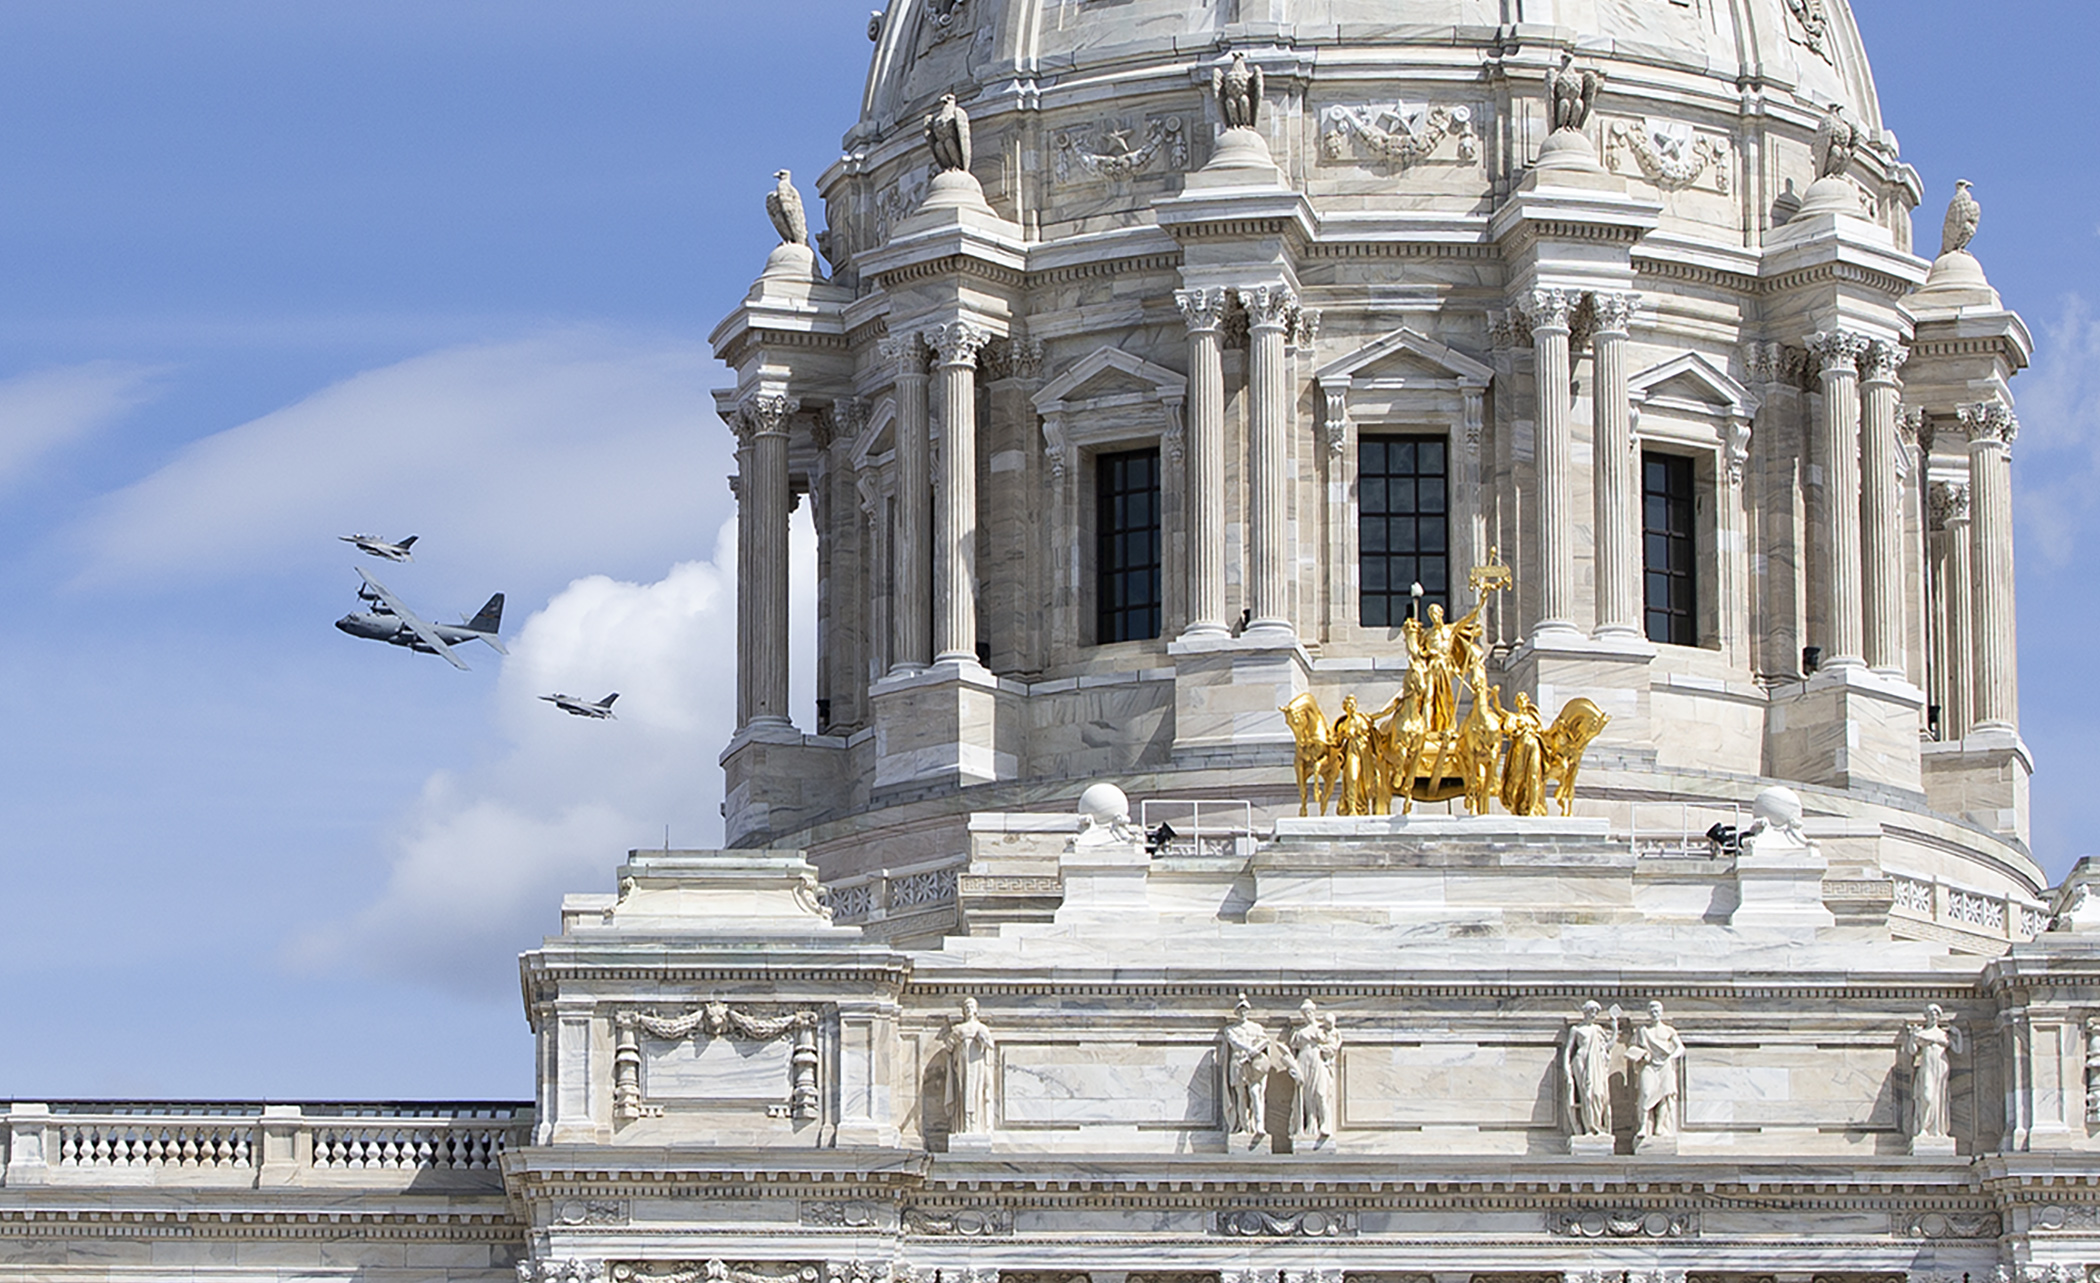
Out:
{"x": 1319, "y": 759}
{"x": 1566, "y": 741}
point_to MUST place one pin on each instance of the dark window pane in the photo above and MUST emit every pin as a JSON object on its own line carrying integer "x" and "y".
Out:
{"x": 1127, "y": 546}
{"x": 1669, "y": 550}
{"x": 1403, "y": 533}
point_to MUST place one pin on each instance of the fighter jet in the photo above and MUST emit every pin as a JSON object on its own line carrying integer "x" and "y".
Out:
{"x": 381, "y": 548}
{"x": 583, "y": 707}
{"x": 396, "y": 625}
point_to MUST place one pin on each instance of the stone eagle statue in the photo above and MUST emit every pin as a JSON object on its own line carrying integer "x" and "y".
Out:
{"x": 1571, "y": 95}
{"x": 1838, "y": 140}
{"x": 1239, "y": 89}
{"x": 948, "y": 134}
{"x": 1963, "y": 216}
{"x": 784, "y": 207}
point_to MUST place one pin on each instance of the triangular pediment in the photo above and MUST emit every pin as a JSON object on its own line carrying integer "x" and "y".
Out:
{"x": 1695, "y": 379}
{"x": 1406, "y": 355}
{"x": 1108, "y": 373}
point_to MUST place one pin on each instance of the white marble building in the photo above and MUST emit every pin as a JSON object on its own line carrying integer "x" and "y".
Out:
{"x": 1128, "y": 416}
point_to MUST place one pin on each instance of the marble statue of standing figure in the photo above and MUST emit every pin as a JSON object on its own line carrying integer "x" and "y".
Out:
{"x": 1657, "y": 1050}
{"x": 1930, "y": 1049}
{"x": 1244, "y": 1049}
{"x": 1585, "y": 1071}
{"x": 1315, "y": 1046}
{"x": 969, "y": 1087}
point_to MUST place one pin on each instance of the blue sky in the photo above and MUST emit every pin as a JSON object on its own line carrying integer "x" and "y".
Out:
{"x": 273, "y": 271}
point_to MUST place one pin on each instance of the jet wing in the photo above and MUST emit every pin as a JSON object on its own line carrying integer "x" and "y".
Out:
{"x": 409, "y": 619}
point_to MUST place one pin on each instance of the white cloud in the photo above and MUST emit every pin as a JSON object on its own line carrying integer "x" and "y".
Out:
{"x": 47, "y": 410}
{"x": 571, "y": 450}
{"x": 479, "y": 864}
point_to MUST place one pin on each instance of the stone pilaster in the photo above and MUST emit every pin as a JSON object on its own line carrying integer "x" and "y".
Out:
{"x": 1954, "y": 673}
{"x": 1205, "y": 311}
{"x": 1550, "y": 312}
{"x": 1616, "y": 475}
{"x": 909, "y": 606}
{"x": 1882, "y": 561}
{"x": 1271, "y": 311}
{"x": 1991, "y": 429}
{"x": 955, "y": 494}
{"x": 1776, "y": 494}
{"x": 1837, "y": 354}
{"x": 762, "y": 561}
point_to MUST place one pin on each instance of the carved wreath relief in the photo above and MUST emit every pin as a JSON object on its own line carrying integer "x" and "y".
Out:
{"x": 1670, "y": 153}
{"x": 1118, "y": 149}
{"x": 1398, "y": 132}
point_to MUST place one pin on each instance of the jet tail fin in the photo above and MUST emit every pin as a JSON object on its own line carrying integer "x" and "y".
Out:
{"x": 608, "y": 700}
{"x": 409, "y": 542}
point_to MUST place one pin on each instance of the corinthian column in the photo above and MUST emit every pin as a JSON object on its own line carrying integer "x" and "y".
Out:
{"x": 762, "y": 561}
{"x": 1205, "y": 312}
{"x": 1615, "y": 481}
{"x": 1548, "y": 311}
{"x": 909, "y": 610}
{"x": 1880, "y": 504}
{"x": 1991, "y": 428}
{"x": 1837, "y": 353}
{"x": 1957, "y": 670}
{"x": 1269, "y": 312}
{"x": 955, "y": 495}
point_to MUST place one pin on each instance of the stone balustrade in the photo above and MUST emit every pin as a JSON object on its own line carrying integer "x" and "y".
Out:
{"x": 892, "y": 893}
{"x": 1969, "y": 912}
{"x": 225, "y": 1145}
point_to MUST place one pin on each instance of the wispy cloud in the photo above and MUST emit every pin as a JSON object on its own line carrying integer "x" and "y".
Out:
{"x": 2058, "y": 455}
{"x": 47, "y": 410}
{"x": 569, "y": 450}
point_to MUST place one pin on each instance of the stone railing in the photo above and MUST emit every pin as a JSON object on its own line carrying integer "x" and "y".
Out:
{"x": 1984, "y": 914}
{"x": 79, "y": 1143}
{"x": 891, "y": 893}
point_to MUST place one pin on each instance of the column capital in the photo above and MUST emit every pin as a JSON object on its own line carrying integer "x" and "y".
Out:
{"x": 764, "y": 415}
{"x": 1838, "y": 351}
{"x": 1203, "y": 310}
{"x": 1613, "y": 313}
{"x": 1989, "y": 423}
{"x": 842, "y": 420}
{"x": 1949, "y": 503}
{"x": 1775, "y": 363}
{"x": 1269, "y": 307}
{"x": 1305, "y": 328}
{"x": 1013, "y": 358}
{"x": 958, "y": 342}
{"x": 1551, "y": 311}
{"x": 1882, "y": 359}
{"x": 906, "y": 351}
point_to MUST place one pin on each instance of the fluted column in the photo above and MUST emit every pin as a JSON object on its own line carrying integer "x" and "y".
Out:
{"x": 1269, "y": 314}
{"x": 762, "y": 561}
{"x": 1549, "y": 312}
{"x": 1880, "y": 502}
{"x": 1991, "y": 428}
{"x": 909, "y": 608}
{"x": 1957, "y": 677}
{"x": 1615, "y": 481}
{"x": 955, "y": 495}
{"x": 1837, "y": 354}
{"x": 1204, "y": 311}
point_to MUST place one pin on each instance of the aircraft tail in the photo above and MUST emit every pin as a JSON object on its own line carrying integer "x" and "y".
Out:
{"x": 409, "y": 542}
{"x": 489, "y": 622}
{"x": 608, "y": 700}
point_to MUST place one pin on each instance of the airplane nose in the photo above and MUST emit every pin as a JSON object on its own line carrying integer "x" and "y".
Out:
{"x": 344, "y": 623}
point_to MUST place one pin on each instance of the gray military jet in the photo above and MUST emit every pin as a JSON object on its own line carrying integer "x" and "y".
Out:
{"x": 381, "y": 548}
{"x": 396, "y": 625}
{"x": 584, "y": 708}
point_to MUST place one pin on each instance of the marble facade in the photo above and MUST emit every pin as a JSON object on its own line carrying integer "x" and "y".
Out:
{"x": 1786, "y": 997}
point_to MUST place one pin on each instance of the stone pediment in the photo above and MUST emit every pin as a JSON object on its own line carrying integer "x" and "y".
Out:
{"x": 1406, "y": 358}
{"x": 1110, "y": 374}
{"x": 1694, "y": 381}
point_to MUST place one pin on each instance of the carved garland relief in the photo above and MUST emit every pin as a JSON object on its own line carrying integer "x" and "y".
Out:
{"x": 1669, "y": 153}
{"x": 1399, "y": 133}
{"x": 1118, "y": 149}
{"x": 716, "y": 1020}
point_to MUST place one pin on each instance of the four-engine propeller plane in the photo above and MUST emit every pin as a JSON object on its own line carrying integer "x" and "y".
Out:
{"x": 584, "y": 707}
{"x": 381, "y": 548}
{"x": 395, "y": 624}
